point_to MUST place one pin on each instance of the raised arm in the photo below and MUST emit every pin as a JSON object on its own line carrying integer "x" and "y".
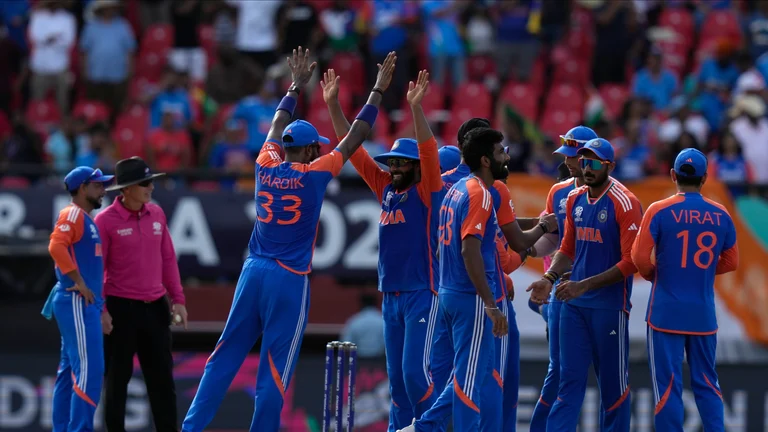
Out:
{"x": 301, "y": 72}
{"x": 431, "y": 181}
{"x": 365, "y": 119}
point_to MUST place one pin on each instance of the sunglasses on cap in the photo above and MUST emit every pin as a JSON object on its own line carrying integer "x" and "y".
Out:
{"x": 398, "y": 162}
{"x": 570, "y": 142}
{"x": 593, "y": 164}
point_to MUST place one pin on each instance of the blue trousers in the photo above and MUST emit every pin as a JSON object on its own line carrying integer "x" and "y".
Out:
{"x": 552, "y": 380}
{"x": 409, "y": 325}
{"x": 665, "y": 356}
{"x": 474, "y": 364}
{"x": 272, "y": 303}
{"x": 504, "y": 387}
{"x": 77, "y": 389}
{"x": 599, "y": 337}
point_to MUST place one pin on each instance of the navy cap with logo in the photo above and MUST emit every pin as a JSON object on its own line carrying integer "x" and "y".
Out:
{"x": 301, "y": 134}
{"x": 691, "y": 163}
{"x": 84, "y": 174}
{"x": 600, "y": 147}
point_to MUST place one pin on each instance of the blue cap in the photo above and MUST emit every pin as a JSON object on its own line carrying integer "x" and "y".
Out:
{"x": 302, "y": 134}
{"x": 83, "y": 174}
{"x": 450, "y": 158}
{"x": 405, "y": 148}
{"x": 578, "y": 136}
{"x": 600, "y": 147}
{"x": 696, "y": 159}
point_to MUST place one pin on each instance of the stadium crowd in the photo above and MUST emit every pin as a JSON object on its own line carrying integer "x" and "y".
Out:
{"x": 194, "y": 84}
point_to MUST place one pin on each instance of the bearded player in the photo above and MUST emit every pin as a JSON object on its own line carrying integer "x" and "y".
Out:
{"x": 602, "y": 219}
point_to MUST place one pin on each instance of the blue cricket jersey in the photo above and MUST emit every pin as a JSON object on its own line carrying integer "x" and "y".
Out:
{"x": 557, "y": 199}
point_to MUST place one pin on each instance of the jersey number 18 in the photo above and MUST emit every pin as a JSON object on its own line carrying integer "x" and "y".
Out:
{"x": 705, "y": 242}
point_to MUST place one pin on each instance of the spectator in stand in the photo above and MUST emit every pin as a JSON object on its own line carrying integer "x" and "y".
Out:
{"x": 52, "y": 34}
{"x": 297, "y": 25}
{"x": 153, "y": 12}
{"x": 187, "y": 55}
{"x": 668, "y": 154}
{"x": 13, "y": 71}
{"x": 169, "y": 147}
{"x": 226, "y": 79}
{"x": 22, "y": 147}
{"x": 107, "y": 46}
{"x": 544, "y": 162}
{"x": 445, "y": 47}
{"x": 751, "y": 80}
{"x": 716, "y": 79}
{"x": 257, "y": 30}
{"x": 15, "y": 15}
{"x": 729, "y": 166}
{"x": 366, "y": 329}
{"x": 63, "y": 145}
{"x": 231, "y": 154}
{"x": 756, "y": 29}
{"x": 615, "y": 26}
{"x": 99, "y": 151}
{"x": 342, "y": 26}
{"x": 516, "y": 48}
{"x": 750, "y": 128}
{"x": 257, "y": 109}
{"x": 516, "y": 145}
{"x": 171, "y": 95}
{"x": 478, "y": 28}
{"x": 224, "y": 22}
{"x": 655, "y": 82}
{"x": 683, "y": 118}
{"x": 632, "y": 155}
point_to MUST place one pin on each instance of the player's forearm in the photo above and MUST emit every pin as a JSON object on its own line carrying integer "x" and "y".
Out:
{"x": 340, "y": 123}
{"x": 420, "y": 124}
{"x": 528, "y": 238}
{"x": 543, "y": 247}
{"x": 527, "y": 223}
{"x": 473, "y": 262}
{"x": 360, "y": 128}
{"x": 283, "y": 115}
{"x": 561, "y": 263}
{"x": 609, "y": 277}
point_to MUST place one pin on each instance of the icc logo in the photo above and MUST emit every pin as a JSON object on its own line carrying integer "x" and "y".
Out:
{"x": 563, "y": 203}
{"x": 577, "y": 214}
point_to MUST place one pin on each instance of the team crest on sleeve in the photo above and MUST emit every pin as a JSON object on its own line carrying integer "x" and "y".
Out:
{"x": 577, "y": 214}
{"x": 64, "y": 227}
{"x": 388, "y": 198}
{"x": 563, "y": 203}
{"x": 603, "y": 215}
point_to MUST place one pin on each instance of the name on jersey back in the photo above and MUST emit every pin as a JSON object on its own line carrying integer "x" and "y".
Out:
{"x": 696, "y": 217}
{"x": 280, "y": 182}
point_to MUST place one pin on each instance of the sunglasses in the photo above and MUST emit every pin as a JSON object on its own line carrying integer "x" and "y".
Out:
{"x": 398, "y": 162}
{"x": 593, "y": 164}
{"x": 145, "y": 183}
{"x": 570, "y": 142}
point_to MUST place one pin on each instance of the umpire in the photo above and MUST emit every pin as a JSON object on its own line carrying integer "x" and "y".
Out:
{"x": 140, "y": 273}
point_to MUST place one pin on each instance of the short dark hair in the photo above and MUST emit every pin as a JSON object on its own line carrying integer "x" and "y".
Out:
{"x": 479, "y": 142}
{"x": 688, "y": 179}
{"x": 473, "y": 123}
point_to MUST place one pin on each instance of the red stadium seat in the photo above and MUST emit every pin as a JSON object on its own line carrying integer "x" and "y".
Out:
{"x": 675, "y": 55}
{"x": 151, "y": 65}
{"x": 558, "y": 121}
{"x": 130, "y": 131}
{"x": 572, "y": 70}
{"x": 43, "y": 116}
{"x": 524, "y": 98}
{"x": 614, "y": 96}
{"x": 13, "y": 182}
{"x": 157, "y": 39}
{"x": 721, "y": 24}
{"x": 459, "y": 115}
{"x": 474, "y": 97}
{"x": 208, "y": 43}
{"x": 680, "y": 20}
{"x": 566, "y": 97}
{"x": 345, "y": 99}
{"x": 321, "y": 120}
{"x": 433, "y": 102}
{"x": 92, "y": 111}
{"x": 351, "y": 69}
{"x": 479, "y": 67}
{"x": 538, "y": 73}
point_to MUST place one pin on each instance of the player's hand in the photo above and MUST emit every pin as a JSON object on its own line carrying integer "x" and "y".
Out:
{"x": 386, "y": 70}
{"x": 417, "y": 91}
{"x": 551, "y": 221}
{"x": 83, "y": 291}
{"x": 330, "y": 86}
{"x": 500, "y": 324}
{"x": 511, "y": 295}
{"x": 566, "y": 276}
{"x": 569, "y": 290}
{"x": 106, "y": 322}
{"x": 301, "y": 72}
{"x": 181, "y": 311}
{"x": 540, "y": 291}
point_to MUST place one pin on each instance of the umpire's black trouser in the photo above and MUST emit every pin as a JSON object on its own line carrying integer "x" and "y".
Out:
{"x": 141, "y": 328}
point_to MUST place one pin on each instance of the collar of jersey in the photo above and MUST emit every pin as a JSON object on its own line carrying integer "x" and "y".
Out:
{"x": 593, "y": 201}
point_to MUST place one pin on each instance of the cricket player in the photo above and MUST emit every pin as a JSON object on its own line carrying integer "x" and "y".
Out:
{"x": 272, "y": 295}
{"x": 601, "y": 223}
{"x": 76, "y": 302}
{"x": 410, "y": 195}
{"x": 571, "y": 142}
{"x": 683, "y": 242}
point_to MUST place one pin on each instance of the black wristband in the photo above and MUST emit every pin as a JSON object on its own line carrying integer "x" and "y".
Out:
{"x": 378, "y": 90}
{"x": 294, "y": 88}
{"x": 551, "y": 276}
{"x": 544, "y": 227}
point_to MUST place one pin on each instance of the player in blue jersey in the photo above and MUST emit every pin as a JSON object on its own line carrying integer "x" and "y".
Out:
{"x": 571, "y": 142}
{"x": 601, "y": 223}
{"x": 410, "y": 195}
{"x": 683, "y": 242}
{"x": 272, "y": 296}
{"x": 450, "y": 157}
{"x": 76, "y": 302}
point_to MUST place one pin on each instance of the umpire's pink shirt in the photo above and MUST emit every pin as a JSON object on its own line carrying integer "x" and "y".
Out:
{"x": 139, "y": 260}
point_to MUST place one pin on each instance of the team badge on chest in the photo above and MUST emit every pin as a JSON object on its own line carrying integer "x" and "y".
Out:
{"x": 603, "y": 215}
